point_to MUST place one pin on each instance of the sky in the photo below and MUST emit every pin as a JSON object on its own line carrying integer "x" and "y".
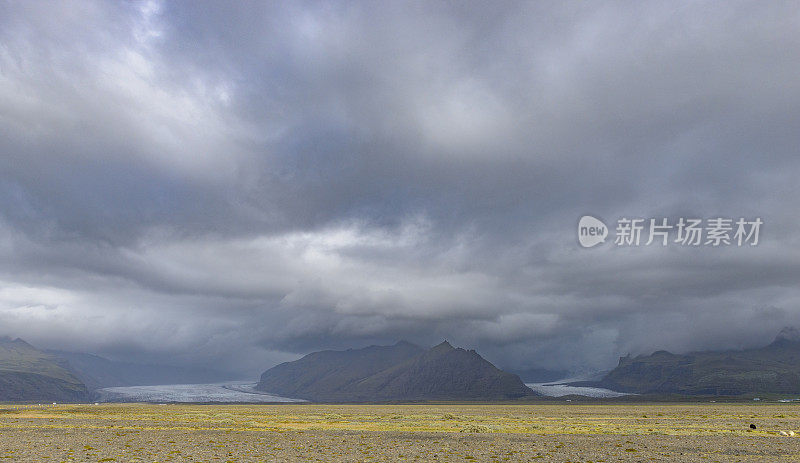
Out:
{"x": 236, "y": 185}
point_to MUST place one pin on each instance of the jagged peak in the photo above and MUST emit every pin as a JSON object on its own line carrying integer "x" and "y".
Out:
{"x": 444, "y": 345}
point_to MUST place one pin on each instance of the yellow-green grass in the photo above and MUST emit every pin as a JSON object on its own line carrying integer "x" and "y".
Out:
{"x": 659, "y": 419}
{"x": 421, "y": 432}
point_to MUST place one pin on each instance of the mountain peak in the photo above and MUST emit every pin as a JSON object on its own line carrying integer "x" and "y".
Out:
{"x": 441, "y": 372}
{"x": 444, "y": 345}
{"x": 770, "y": 369}
{"x": 15, "y": 342}
{"x": 788, "y": 334}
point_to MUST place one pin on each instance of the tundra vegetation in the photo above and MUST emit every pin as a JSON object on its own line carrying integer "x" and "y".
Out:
{"x": 419, "y": 432}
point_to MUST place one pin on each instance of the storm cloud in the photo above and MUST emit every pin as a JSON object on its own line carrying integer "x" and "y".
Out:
{"x": 235, "y": 185}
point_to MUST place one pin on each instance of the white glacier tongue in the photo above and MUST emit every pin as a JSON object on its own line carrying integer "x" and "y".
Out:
{"x": 559, "y": 390}
{"x": 218, "y": 392}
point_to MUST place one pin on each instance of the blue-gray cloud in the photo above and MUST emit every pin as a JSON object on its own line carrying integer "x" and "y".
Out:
{"x": 245, "y": 183}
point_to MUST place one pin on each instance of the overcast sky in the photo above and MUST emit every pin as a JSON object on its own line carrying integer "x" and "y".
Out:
{"x": 234, "y": 186}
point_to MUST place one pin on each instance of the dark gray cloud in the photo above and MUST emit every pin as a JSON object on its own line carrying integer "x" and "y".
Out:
{"x": 241, "y": 184}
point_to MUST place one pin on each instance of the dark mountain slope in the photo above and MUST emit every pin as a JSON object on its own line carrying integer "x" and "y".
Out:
{"x": 328, "y": 373}
{"x": 29, "y": 374}
{"x": 399, "y": 372}
{"x": 443, "y": 372}
{"x": 98, "y": 372}
{"x": 771, "y": 369}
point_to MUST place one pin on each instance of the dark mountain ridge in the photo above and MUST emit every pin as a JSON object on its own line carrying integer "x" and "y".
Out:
{"x": 99, "y": 372}
{"x": 774, "y": 368}
{"x": 403, "y": 371}
{"x": 29, "y": 374}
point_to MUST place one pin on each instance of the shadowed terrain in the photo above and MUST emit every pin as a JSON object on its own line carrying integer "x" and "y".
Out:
{"x": 29, "y": 374}
{"x": 399, "y": 372}
{"x": 771, "y": 369}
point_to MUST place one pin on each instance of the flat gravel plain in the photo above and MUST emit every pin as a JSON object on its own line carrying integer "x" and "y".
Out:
{"x": 421, "y": 432}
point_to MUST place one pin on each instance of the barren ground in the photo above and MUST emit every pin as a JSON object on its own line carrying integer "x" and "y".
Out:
{"x": 454, "y": 433}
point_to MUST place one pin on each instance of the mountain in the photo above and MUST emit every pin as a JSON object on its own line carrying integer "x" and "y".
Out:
{"x": 98, "y": 372}
{"x": 771, "y": 369}
{"x": 328, "y": 372}
{"x": 29, "y": 374}
{"x": 540, "y": 375}
{"x": 403, "y": 371}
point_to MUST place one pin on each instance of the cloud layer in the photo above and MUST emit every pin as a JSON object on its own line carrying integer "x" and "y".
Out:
{"x": 238, "y": 185}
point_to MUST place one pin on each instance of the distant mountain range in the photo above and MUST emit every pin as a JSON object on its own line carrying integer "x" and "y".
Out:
{"x": 29, "y": 374}
{"x": 403, "y": 371}
{"x": 98, "y": 372}
{"x": 539, "y": 375}
{"x": 32, "y": 375}
{"x": 771, "y": 369}
{"x": 407, "y": 372}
